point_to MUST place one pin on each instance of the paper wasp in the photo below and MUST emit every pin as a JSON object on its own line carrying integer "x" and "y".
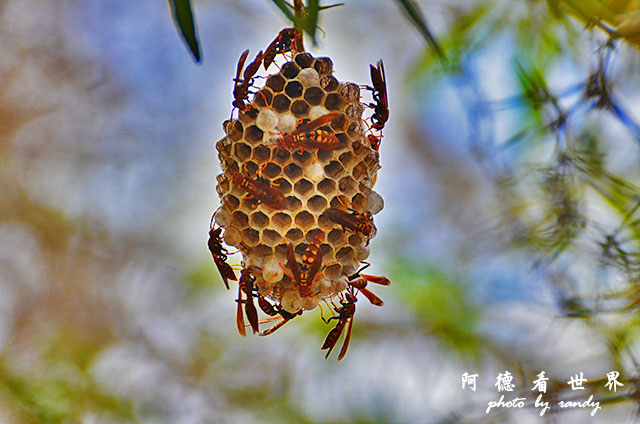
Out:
{"x": 260, "y": 189}
{"x": 311, "y": 137}
{"x": 355, "y": 221}
{"x": 359, "y": 281}
{"x": 245, "y": 285}
{"x": 272, "y": 310}
{"x": 288, "y": 40}
{"x": 345, "y": 318}
{"x": 241, "y": 88}
{"x": 304, "y": 275}
{"x": 219, "y": 254}
{"x": 381, "y": 107}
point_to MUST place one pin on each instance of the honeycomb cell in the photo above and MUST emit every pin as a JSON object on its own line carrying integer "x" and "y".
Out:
{"x": 329, "y": 83}
{"x": 239, "y": 219}
{"x": 290, "y": 70}
{"x": 354, "y": 110}
{"x": 334, "y": 169}
{"x": 359, "y": 201}
{"x": 315, "y": 172}
{"x": 253, "y": 134}
{"x": 293, "y": 172}
{"x": 281, "y": 103}
{"x": 283, "y": 185}
{"x": 304, "y": 60}
{"x": 249, "y": 203}
{"x": 350, "y": 91}
{"x": 242, "y": 151}
{"x": 251, "y": 237}
{"x": 271, "y": 170}
{"x": 276, "y": 83}
{"x": 299, "y": 108}
{"x": 345, "y": 255}
{"x": 271, "y": 237}
{"x": 281, "y": 252}
{"x": 309, "y": 77}
{"x": 281, "y": 222}
{"x": 314, "y": 96}
{"x": 267, "y": 120}
{"x": 259, "y": 220}
{"x": 232, "y": 236}
{"x": 287, "y": 123}
{"x": 304, "y": 220}
{"x": 303, "y": 187}
{"x": 294, "y": 235}
{"x": 302, "y": 158}
{"x": 291, "y": 301}
{"x": 375, "y": 202}
{"x": 362, "y": 253}
{"x": 231, "y": 202}
{"x": 261, "y": 153}
{"x": 348, "y": 159}
{"x": 282, "y": 156}
{"x": 339, "y": 124}
{"x": 262, "y": 250}
{"x": 323, "y": 65}
{"x": 312, "y": 234}
{"x": 294, "y": 203}
{"x": 327, "y": 186}
{"x": 359, "y": 171}
{"x": 263, "y": 98}
{"x": 317, "y": 203}
{"x": 336, "y": 237}
{"x": 248, "y": 117}
{"x": 272, "y": 271}
{"x": 355, "y": 240}
{"x": 333, "y": 102}
{"x": 293, "y": 89}
{"x": 235, "y": 131}
{"x": 332, "y": 272}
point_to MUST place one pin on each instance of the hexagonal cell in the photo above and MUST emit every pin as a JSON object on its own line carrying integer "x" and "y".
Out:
{"x": 276, "y": 82}
{"x": 354, "y": 110}
{"x": 303, "y": 187}
{"x": 304, "y": 220}
{"x": 293, "y": 171}
{"x": 262, "y": 250}
{"x": 263, "y": 97}
{"x": 327, "y": 186}
{"x": 248, "y": 117}
{"x": 250, "y": 237}
{"x": 359, "y": 201}
{"x": 348, "y": 269}
{"x": 362, "y": 253}
{"x": 333, "y": 101}
{"x": 235, "y": 131}
{"x": 339, "y": 123}
{"x": 231, "y": 202}
{"x": 345, "y": 255}
{"x": 332, "y": 272}
{"x": 250, "y": 167}
{"x": 281, "y": 221}
{"x": 294, "y": 203}
{"x": 281, "y": 250}
{"x": 316, "y": 203}
{"x": 336, "y": 237}
{"x": 359, "y": 171}
{"x": 281, "y": 103}
{"x": 283, "y": 185}
{"x": 375, "y": 202}
{"x": 304, "y": 60}
{"x": 324, "y": 221}
{"x": 281, "y": 156}
{"x": 312, "y": 234}
{"x": 239, "y": 219}
{"x": 354, "y": 129}
{"x": 347, "y": 159}
{"x": 299, "y": 108}
{"x": 355, "y": 240}
{"x": 261, "y": 153}
{"x": 314, "y": 96}
{"x": 271, "y": 238}
{"x": 294, "y": 235}
{"x": 334, "y": 169}
{"x": 249, "y": 204}
{"x": 350, "y": 91}
{"x": 267, "y": 120}
{"x": 293, "y": 89}
{"x": 290, "y": 70}
{"x": 232, "y": 236}
{"x": 259, "y": 220}
{"x": 303, "y": 158}
{"x": 329, "y": 83}
{"x": 309, "y": 77}
{"x": 324, "y": 156}
{"x": 372, "y": 160}
{"x": 323, "y": 65}
{"x": 287, "y": 123}
{"x": 347, "y": 185}
{"x": 242, "y": 151}
{"x": 253, "y": 134}
{"x": 271, "y": 170}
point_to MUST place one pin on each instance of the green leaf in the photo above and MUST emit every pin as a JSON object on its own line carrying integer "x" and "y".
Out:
{"x": 414, "y": 14}
{"x": 284, "y": 8}
{"x": 311, "y": 20}
{"x": 184, "y": 19}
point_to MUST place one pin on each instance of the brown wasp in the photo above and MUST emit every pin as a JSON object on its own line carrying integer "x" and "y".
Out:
{"x": 357, "y": 222}
{"x": 359, "y": 281}
{"x": 260, "y": 189}
{"x": 304, "y": 275}
{"x": 374, "y": 141}
{"x": 241, "y": 87}
{"x": 245, "y": 285}
{"x": 309, "y": 136}
{"x": 381, "y": 107}
{"x": 272, "y": 310}
{"x": 288, "y": 40}
{"x": 219, "y": 254}
{"x": 345, "y": 318}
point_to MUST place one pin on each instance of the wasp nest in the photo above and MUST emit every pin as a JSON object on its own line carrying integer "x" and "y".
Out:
{"x": 312, "y": 180}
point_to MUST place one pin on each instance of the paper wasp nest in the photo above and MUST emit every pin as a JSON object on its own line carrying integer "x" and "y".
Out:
{"x": 312, "y": 181}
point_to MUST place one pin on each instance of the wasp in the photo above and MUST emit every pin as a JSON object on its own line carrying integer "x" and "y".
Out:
{"x": 245, "y": 285}
{"x": 288, "y": 40}
{"x": 241, "y": 87}
{"x": 260, "y": 189}
{"x": 374, "y": 141}
{"x": 381, "y": 107}
{"x": 359, "y": 281}
{"x": 355, "y": 221}
{"x": 345, "y": 318}
{"x": 304, "y": 275}
{"x": 272, "y": 310}
{"x": 219, "y": 253}
{"x": 311, "y": 137}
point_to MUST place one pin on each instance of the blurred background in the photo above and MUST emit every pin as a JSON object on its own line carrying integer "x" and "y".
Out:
{"x": 511, "y": 229}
